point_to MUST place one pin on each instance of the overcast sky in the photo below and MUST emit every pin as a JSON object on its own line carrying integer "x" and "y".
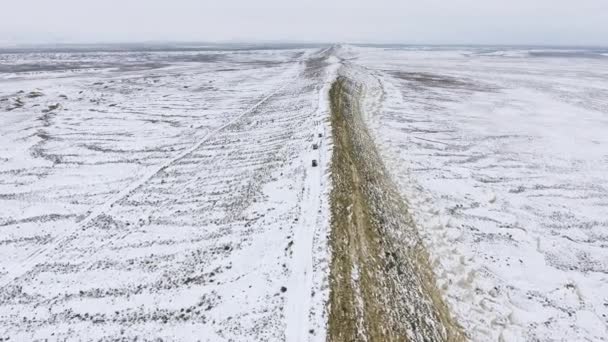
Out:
{"x": 553, "y": 22}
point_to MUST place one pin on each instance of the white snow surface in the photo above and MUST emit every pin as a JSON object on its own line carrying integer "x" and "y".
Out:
{"x": 504, "y": 162}
{"x": 171, "y": 194}
{"x": 164, "y": 195}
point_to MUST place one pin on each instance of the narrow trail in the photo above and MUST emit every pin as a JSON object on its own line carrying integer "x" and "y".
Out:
{"x": 300, "y": 281}
{"x": 301, "y": 288}
{"x": 45, "y": 252}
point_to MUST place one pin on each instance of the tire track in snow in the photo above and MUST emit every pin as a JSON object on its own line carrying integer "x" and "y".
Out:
{"x": 301, "y": 282}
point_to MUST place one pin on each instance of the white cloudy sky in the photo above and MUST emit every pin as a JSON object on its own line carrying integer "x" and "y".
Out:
{"x": 561, "y": 22}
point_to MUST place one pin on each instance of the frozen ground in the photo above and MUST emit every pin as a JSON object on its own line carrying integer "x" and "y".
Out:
{"x": 170, "y": 194}
{"x": 503, "y": 155}
{"x": 163, "y": 195}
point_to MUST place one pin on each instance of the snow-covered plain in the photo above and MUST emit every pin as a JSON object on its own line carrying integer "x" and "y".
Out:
{"x": 503, "y": 156}
{"x": 163, "y": 195}
{"x": 170, "y": 194}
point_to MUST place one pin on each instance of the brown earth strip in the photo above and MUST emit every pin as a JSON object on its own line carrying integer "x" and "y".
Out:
{"x": 382, "y": 287}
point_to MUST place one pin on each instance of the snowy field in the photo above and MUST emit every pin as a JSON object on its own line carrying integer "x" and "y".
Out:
{"x": 163, "y": 195}
{"x": 503, "y": 156}
{"x": 172, "y": 194}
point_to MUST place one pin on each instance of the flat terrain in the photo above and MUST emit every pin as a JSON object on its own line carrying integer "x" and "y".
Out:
{"x": 503, "y": 157}
{"x": 164, "y": 195}
{"x": 304, "y": 194}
